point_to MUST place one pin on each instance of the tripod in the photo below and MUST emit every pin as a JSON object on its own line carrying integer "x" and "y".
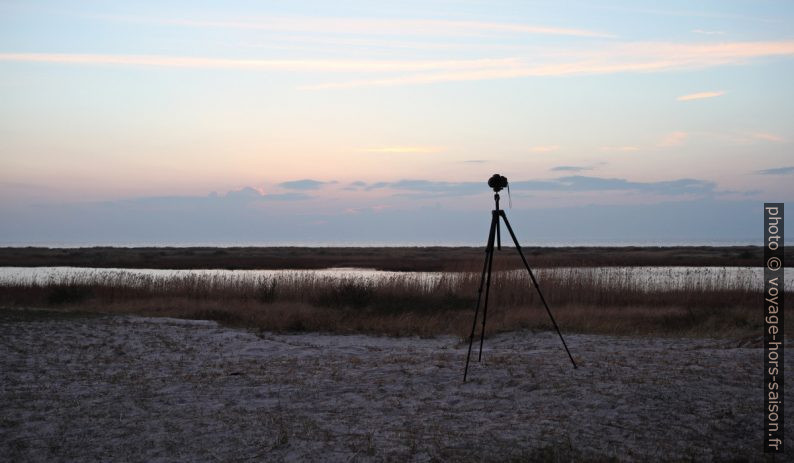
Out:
{"x": 486, "y": 280}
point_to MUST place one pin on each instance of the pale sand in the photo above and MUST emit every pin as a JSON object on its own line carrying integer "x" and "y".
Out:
{"x": 143, "y": 389}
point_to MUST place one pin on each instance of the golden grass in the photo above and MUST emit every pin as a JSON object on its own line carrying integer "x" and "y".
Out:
{"x": 703, "y": 303}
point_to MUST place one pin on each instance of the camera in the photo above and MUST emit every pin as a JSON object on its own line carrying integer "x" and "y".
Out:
{"x": 497, "y": 182}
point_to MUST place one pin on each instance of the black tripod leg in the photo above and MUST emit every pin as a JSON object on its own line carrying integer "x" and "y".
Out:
{"x": 498, "y": 235}
{"x": 485, "y": 268}
{"x": 535, "y": 282}
{"x": 488, "y": 285}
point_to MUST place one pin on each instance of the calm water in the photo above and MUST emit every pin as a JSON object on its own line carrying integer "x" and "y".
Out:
{"x": 646, "y": 277}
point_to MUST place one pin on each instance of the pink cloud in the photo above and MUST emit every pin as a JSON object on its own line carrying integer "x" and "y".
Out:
{"x": 616, "y": 58}
{"x": 673, "y": 139}
{"x": 768, "y": 137}
{"x": 699, "y": 96}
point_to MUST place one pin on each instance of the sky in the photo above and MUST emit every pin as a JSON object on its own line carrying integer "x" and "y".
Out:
{"x": 379, "y": 123}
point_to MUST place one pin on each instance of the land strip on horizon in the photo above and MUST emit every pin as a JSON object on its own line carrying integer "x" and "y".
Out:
{"x": 436, "y": 258}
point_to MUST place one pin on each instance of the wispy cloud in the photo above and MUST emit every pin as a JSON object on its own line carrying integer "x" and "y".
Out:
{"x": 431, "y": 27}
{"x": 768, "y": 137}
{"x": 355, "y": 186}
{"x": 777, "y": 171}
{"x": 621, "y": 58}
{"x": 403, "y": 149}
{"x": 586, "y": 183}
{"x": 286, "y": 197}
{"x": 430, "y": 186}
{"x": 673, "y": 139}
{"x": 305, "y": 184}
{"x": 575, "y": 183}
{"x": 239, "y": 197}
{"x": 619, "y": 149}
{"x": 618, "y": 58}
{"x": 544, "y": 148}
{"x": 312, "y": 65}
{"x": 249, "y": 194}
{"x": 699, "y": 96}
{"x": 689, "y": 13}
{"x": 705, "y": 32}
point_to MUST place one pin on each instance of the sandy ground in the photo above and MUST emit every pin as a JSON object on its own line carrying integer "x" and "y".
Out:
{"x": 82, "y": 388}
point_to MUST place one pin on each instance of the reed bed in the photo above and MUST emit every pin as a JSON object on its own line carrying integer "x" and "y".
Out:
{"x": 703, "y": 302}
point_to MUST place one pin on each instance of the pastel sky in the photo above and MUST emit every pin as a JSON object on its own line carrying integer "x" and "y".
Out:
{"x": 360, "y": 122}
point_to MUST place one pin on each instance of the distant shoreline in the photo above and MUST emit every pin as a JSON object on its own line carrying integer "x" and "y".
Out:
{"x": 431, "y": 258}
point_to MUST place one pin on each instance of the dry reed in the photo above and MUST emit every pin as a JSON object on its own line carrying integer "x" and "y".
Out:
{"x": 705, "y": 302}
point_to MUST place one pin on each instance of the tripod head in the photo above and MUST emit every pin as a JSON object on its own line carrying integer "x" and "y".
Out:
{"x": 497, "y": 182}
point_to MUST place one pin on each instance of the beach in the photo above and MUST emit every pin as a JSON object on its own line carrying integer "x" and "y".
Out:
{"x": 99, "y": 387}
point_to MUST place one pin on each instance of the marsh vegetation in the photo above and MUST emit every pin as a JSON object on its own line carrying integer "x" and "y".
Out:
{"x": 691, "y": 302}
